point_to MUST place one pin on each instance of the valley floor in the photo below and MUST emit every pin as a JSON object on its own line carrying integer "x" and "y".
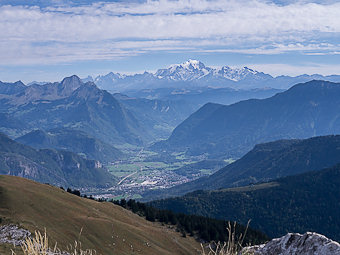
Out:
{"x": 144, "y": 170}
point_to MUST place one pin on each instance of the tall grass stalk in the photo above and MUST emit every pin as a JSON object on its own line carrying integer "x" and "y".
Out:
{"x": 232, "y": 246}
{"x": 77, "y": 250}
{"x": 38, "y": 245}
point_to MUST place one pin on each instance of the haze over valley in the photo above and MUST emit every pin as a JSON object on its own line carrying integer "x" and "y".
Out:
{"x": 169, "y": 127}
{"x": 171, "y": 134}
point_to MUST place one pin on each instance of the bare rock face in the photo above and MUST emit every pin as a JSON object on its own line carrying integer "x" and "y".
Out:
{"x": 296, "y": 244}
{"x": 13, "y": 234}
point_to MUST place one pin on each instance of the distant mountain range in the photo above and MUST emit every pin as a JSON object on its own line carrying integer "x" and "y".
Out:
{"x": 196, "y": 70}
{"x": 194, "y": 74}
{"x": 265, "y": 162}
{"x": 159, "y": 117}
{"x": 306, "y": 202}
{"x": 305, "y": 110}
{"x": 69, "y": 104}
{"x": 114, "y": 118}
{"x": 194, "y": 98}
{"x": 60, "y": 168}
{"x": 11, "y": 88}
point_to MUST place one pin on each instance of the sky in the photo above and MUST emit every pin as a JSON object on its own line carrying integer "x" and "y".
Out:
{"x": 46, "y": 40}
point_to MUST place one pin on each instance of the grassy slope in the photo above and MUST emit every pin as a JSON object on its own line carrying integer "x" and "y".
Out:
{"x": 38, "y": 206}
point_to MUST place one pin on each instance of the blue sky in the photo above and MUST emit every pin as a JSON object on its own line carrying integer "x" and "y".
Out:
{"x": 46, "y": 40}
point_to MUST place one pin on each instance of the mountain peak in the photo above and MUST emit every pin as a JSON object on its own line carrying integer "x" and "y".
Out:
{"x": 195, "y": 70}
{"x": 11, "y": 88}
{"x": 314, "y": 86}
{"x": 235, "y": 74}
{"x": 69, "y": 84}
{"x": 110, "y": 77}
{"x": 187, "y": 71}
{"x": 192, "y": 64}
{"x": 71, "y": 80}
{"x": 19, "y": 83}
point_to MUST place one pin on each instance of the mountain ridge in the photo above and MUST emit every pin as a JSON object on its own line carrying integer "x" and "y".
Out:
{"x": 73, "y": 140}
{"x": 61, "y": 168}
{"x": 305, "y": 110}
{"x": 73, "y": 104}
{"x": 265, "y": 162}
{"x": 300, "y": 203}
{"x": 195, "y": 74}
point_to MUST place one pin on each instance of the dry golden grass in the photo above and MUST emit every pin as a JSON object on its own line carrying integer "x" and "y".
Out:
{"x": 39, "y": 245}
{"x": 77, "y": 250}
{"x": 107, "y": 228}
{"x": 232, "y": 247}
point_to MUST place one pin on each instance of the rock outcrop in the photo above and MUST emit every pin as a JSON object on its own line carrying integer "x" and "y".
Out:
{"x": 293, "y": 244}
{"x": 13, "y": 234}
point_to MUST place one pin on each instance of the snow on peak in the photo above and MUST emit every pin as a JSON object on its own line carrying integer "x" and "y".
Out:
{"x": 189, "y": 70}
{"x": 190, "y": 65}
{"x": 235, "y": 74}
{"x": 194, "y": 70}
{"x": 193, "y": 64}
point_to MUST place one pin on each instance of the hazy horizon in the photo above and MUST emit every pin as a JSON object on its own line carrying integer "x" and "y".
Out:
{"x": 49, "y": 40}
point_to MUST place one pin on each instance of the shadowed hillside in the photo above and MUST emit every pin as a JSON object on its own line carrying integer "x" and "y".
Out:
{"x": 61, "y": 168}
{"x": 306, "y": 202}
{"x": 305, "y": 110}
{"x": 265, "y": 162}
{"x": 72, "y": 140}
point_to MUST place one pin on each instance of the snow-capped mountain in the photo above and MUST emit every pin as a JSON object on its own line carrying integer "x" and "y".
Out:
{"x": 188, "y": 71}
{"x": 194, "y": 74}
{"x": 239, "y": 74}
{"x": 109, "y": 78}
{"x": 196, "y": 70}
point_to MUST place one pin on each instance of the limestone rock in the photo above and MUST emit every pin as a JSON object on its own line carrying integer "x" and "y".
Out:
{"x": 293, "y": 244}
{"x": 13, "y": 234}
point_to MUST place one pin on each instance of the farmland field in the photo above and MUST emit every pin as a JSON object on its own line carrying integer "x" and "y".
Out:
{"x": 144, "y": 170}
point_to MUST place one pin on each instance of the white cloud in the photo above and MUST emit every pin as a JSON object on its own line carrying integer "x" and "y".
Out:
{"x": 114, "y": 30}
{"x": 306, "y": 49}
{"x": 294, "y": 70}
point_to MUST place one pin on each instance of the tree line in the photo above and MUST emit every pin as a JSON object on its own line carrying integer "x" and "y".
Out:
{"x": 204, "y": 228}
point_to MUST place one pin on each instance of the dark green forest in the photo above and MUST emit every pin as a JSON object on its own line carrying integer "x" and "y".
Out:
{"x": 306, "y": 202}
{"x": 204, "y": 228}
{"x": 265, "y": 162}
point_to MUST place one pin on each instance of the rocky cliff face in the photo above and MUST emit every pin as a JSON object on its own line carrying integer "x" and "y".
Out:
{"x": 293, "y": 244}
